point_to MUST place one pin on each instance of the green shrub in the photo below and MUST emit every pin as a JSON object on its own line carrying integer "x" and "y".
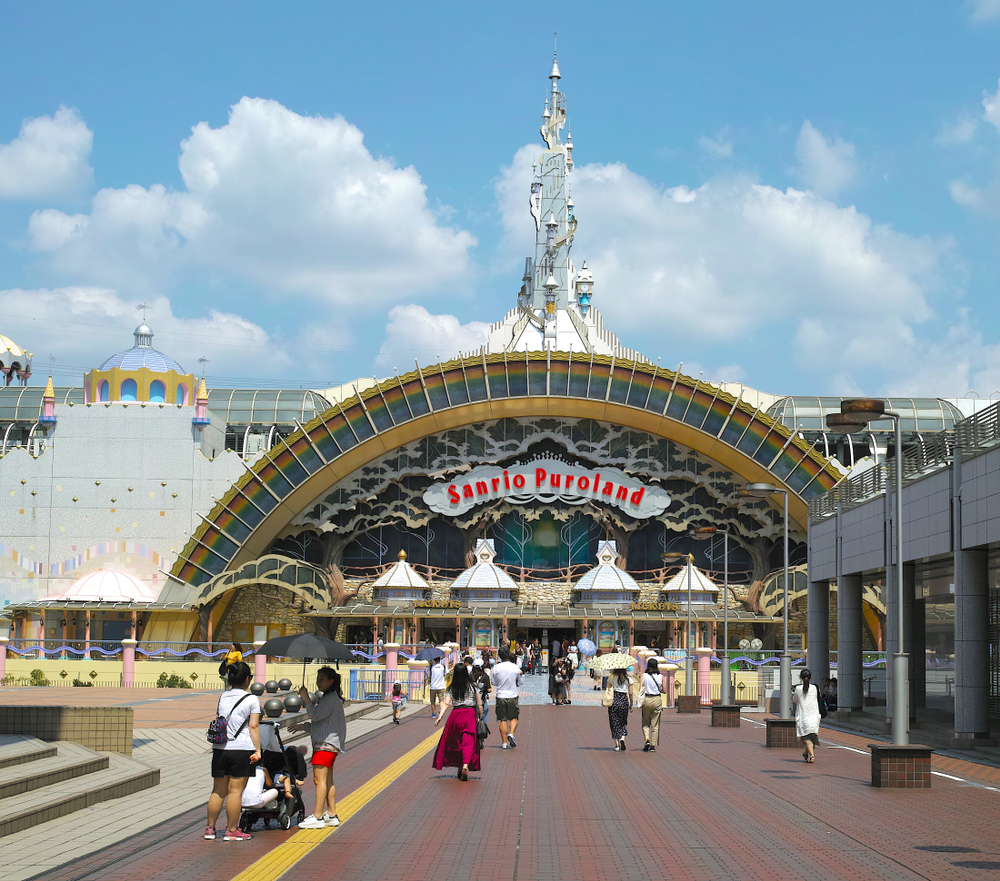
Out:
{"x": 79, "y": 683}
{"x": 38, "y": 677}
{"x": 172, "y": 681}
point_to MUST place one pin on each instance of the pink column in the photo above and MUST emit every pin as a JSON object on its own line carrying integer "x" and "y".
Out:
{"x": 704, "y": 675}
{"x": 670, "y": 671}
{"x": 391, "y": 664}
{"x": 3, "y": 656}
{"x": 259, "y": 664}
{"x": 128, "y": 663}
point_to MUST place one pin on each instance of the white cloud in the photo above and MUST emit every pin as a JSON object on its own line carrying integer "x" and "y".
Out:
{"x": 413, "y": 332}
{"x": 825, "y": 166}
{"x": 719, "y": 147}
{"x": 991, "y": 108}
{"x": 83, "y": 326}
{"x": 293, "y": 204}
{"x": 982, "y": 11}
{"x": 960, "y": 131}
{"x": 718, "y": 274}
{"x": 48, "y": 159}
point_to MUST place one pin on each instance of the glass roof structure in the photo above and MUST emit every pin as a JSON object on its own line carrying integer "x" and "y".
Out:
{"x": 238, "y": 406}
{"x": 266, "y": 406}
{"x": 24, "y": 404}
{"x": 807, "y": 413}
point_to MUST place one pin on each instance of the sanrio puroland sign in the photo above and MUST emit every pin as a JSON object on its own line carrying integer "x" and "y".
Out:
{"x": 547, "y": 480}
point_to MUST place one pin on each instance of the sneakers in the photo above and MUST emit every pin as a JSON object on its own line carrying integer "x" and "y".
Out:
{"x": 503, "y": 746}
{"x": 313, "y": 822}
{"x": 511, "y": 741}
{"x": 618, "y": 749}
{"x": 237, "y": 835}
{"x": 331, "y": 821}
{"x": 209, "y": 833}
{"x": 652, "y": 749}
{"x": 621, "y": 743}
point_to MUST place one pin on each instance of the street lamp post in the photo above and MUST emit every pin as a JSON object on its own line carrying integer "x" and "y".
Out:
{"x": 704, "y": 532}
{"x": 854, "y": 416}
{"x": 688, "y": 665}
{"x": 761, "y": 491}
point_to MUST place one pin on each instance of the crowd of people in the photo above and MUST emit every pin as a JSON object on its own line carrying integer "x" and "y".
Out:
{"x": 459, "y": 697}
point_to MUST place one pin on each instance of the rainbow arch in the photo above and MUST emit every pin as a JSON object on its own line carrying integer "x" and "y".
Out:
{"x": 474, "y": 389}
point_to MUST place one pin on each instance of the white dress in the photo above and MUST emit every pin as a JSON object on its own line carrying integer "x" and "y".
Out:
{"x": 807, "y": 716}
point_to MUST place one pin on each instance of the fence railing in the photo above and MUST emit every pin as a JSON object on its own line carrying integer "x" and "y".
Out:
{"x": 980, "y": 430}
{"x": 929, "y": 455}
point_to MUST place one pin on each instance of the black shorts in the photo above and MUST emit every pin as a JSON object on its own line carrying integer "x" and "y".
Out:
{"x": 506, "y": 709}
{"x": 231, "y": 763}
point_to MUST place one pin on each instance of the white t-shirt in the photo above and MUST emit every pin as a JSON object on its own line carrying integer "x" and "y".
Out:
{"x": 651, "y": 683}
{"x": 506, "y": 677}
{"x": 622, "y": 686}
{"x": 237, "y": 717}
{"x": 253, "y": 792}
{"x": 437, "y": 677}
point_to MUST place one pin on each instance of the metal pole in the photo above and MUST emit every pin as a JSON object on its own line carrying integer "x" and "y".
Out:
{"x": 785, "y": 680}
{"x": 726, "y": 671}
{"x": 900, "y": 660}
{"x": 688, "y": 666}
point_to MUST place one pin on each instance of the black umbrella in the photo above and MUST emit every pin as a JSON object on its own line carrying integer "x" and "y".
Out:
{"x": 428, "y": 654}
{"x": 306, "y": 645}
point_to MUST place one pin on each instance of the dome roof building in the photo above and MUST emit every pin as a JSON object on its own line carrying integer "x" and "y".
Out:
{"x": 606, "y": 583}
{"x": 399, "y": 581}
{"x": 484, "y": 581}
{"x": 107, "y": 586}
{"x": 140, "y": 374}
{"x": 15, "y": 362}
{"x": 142, "y": 355}
{"x": 703, "y": 590}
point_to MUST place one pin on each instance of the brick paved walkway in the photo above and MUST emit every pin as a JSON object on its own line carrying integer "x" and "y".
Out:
{"x": 709, "y": 804}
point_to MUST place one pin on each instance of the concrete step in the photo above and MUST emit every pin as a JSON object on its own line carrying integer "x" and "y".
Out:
{"x": 70, "y": 761}
{"x": 16, "y": 749}
{"x": 119, "y": 777}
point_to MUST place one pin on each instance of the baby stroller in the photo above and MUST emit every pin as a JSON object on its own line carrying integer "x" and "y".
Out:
{"x": 287, "y": 812}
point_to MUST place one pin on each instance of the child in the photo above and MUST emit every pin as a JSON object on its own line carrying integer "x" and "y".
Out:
{"x": 260, "y": 790}
{"x": 397, "y": 699}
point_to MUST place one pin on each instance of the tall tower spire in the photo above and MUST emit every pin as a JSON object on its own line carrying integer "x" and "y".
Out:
{"x": 551, "y": 288}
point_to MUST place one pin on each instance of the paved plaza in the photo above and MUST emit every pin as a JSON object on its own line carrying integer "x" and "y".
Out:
{"x": 711, "y": 803}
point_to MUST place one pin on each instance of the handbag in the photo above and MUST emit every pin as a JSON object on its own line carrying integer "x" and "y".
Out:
{"x": 821, "y": 703}
{"x": 608, "y": 698}
{"x": 482, "y": 729}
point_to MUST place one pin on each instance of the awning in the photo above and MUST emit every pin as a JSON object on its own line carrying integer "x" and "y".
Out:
{"x": 543, "y": 612}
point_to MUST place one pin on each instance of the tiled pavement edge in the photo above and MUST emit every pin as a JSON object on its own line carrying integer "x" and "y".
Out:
{"x": 709, "y": 804}
{"x": 182, "y": 756}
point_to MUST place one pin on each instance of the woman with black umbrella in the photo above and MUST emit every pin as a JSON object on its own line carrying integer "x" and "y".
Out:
{"x": 329, "y": 737}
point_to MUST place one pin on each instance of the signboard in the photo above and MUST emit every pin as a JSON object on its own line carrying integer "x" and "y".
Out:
{"x": 547, "y": 480}
{"x": 484, "y": 633}
{"x": 794, "y": 642}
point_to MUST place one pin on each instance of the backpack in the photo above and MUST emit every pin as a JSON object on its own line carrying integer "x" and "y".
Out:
{"x": 218, "y": 728}
{"x": 821, "y": 703}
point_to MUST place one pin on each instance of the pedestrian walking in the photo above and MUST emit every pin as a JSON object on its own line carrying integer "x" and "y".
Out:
{"x": 621, "y": 684}
{"x": 507, "y": 678}
{"x": 234, "y": 757}
{"x": 807, "y": 715}
{"x": 437, "y": 674}
{"x": 652, "y": 704}
{"x": 481, "y": 679}
{"x": 328, "y": 728}
{"x": 459, "y": 745}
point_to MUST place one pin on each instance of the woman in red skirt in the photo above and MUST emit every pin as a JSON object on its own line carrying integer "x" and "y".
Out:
{"x": 459, "y": 746}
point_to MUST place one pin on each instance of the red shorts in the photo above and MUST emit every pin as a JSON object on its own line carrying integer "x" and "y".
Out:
{"x": 324, "y": 757}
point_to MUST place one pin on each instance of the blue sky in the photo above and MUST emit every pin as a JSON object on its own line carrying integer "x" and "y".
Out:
{"x": 803, "y": 198}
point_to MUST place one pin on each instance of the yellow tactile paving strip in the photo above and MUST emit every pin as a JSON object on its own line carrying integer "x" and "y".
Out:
{"x": 282, "y": 858}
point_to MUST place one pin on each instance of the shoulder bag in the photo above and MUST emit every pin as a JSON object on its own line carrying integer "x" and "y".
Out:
{"x": 218, "y": 728}
{"x": 608, "y": 698}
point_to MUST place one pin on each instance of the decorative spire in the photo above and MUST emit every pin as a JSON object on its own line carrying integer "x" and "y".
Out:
{"x": 48, "y": 416}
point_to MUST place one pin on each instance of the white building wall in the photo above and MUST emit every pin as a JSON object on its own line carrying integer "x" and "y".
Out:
{"x": 119, "y": 486}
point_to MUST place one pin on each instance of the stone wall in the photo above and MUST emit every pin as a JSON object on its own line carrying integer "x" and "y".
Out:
{"x": 263, "y": 605}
